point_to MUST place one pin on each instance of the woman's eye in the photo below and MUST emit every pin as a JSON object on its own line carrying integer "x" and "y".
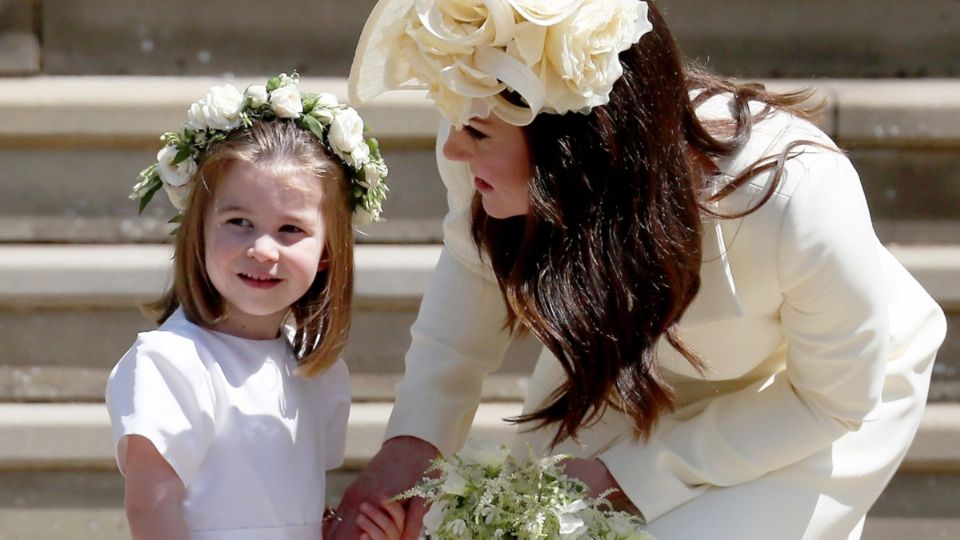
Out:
{"x": 474, "y": 133}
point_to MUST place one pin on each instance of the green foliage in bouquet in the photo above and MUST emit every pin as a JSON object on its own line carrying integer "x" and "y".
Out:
{"x": 484, "y": 493}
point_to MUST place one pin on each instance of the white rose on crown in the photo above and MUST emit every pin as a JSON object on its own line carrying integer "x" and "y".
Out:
{"x": 327, "y": 100}
{"x": 359, "y": 156}
{"x": 257, "y": 94}
{"x": 224, "y": 109}
{"x": 174, "y": 175}
{"x": 346, "y": 131}
{"x": 179, "y": 195}
{"x": 285, "y": 102}
{"x": 219, "y": 109}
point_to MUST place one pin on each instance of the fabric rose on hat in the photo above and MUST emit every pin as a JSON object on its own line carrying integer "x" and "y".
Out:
{"x": 584, "y": 51}
{"x": 545, "y": 12}
{"x": 556, "y": 55}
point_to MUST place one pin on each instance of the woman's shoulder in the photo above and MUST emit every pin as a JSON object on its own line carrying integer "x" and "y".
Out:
{"x": 809, "y": 156}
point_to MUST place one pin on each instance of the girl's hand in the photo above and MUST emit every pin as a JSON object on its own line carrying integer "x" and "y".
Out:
{"x": 383, "y": 523}
{"x": 397, "y": 467}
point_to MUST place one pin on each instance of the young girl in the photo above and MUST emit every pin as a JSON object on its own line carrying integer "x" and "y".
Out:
{"x": 227, "y": 417}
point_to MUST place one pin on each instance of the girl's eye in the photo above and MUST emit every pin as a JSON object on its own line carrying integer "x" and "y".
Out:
{"x": 290, "y": 229}
{"x": 474, "y": 133}
{"x": 239, "y": 222}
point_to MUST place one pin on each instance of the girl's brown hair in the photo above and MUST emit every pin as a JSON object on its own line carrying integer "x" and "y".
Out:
{"x": 608, "y": 258}
{"x": 322, "y": 314}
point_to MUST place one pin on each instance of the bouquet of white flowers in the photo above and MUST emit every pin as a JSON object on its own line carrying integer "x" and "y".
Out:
{"x": 484, "y": 493}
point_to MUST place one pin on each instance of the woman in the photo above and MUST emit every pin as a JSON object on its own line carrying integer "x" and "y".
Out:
{"x": 725, "y": 339}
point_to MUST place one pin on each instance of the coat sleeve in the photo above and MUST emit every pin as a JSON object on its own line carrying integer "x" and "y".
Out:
{"x": 834, "y": 315}
{"x": 459, "y": 334}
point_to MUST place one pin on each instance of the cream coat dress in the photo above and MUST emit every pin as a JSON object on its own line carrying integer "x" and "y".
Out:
{"x": 819, "y": 348}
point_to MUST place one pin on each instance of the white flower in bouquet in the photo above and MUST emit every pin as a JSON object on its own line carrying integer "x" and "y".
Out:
{"x": 484, "y": 453}
{"x": 484, "y": 493}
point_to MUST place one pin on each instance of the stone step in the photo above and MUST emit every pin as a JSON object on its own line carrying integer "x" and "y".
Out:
{"x": 757, "y": 38}
{"x": 38, "y": 436}
{"x": 19, "y": 42}
{"x": 88, "y": 295}
{"x": 72, "y": 147}
{"x": 58, "y": 478}
{"x": 88, "y": 505}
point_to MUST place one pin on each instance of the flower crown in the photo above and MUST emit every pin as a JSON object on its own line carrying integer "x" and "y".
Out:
{"x": 224, "y": 109}
{"x": 557, "y": 55}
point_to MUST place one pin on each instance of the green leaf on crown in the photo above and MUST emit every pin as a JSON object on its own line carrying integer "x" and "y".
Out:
{"x": 155, "y": 186}
{"x": 309, "y": 100}
{"x": 273, "y": 84}
{"x": 182, "y": 154}
{"x": 313, "y": 125}
{"x": 374, "y": 146}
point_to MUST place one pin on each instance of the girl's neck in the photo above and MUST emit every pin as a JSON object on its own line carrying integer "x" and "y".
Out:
{"x": 243, "y": 325}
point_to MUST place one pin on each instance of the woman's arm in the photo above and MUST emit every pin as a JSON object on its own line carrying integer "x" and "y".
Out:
{"x": 458, "y": 338}
{"x": 153, "y": 494}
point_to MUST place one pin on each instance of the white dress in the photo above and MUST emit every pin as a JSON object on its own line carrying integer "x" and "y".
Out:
{"x": 819, "y": 347}
{"x": 250, "y": 440}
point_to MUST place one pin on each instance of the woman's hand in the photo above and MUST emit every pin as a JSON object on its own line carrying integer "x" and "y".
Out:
{"x": 595, "y": 475}
{"x": 397, "y": 467}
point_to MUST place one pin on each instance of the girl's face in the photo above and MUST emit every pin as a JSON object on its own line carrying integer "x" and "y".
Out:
{"x": 499, "y": 158}
{"x": 264, "y": 235}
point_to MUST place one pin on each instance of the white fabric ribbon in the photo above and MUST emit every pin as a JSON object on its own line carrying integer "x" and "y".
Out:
{"x": 517, "y": 76}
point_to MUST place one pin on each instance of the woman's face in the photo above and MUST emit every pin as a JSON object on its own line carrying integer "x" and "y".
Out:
{"x": 499, "y": 159}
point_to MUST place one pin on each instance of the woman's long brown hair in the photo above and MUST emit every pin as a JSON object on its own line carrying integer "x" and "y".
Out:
{"x": 608, "y": 258}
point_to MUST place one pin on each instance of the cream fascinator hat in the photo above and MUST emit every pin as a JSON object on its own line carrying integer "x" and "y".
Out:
{"x": 556, "y": 55}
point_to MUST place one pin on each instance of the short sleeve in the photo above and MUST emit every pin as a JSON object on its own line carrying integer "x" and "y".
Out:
{"x": 336, "y": 389}
{"x": 161, "y": 390}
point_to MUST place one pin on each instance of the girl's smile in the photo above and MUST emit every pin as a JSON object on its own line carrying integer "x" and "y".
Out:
{"x": 259, "y": 282}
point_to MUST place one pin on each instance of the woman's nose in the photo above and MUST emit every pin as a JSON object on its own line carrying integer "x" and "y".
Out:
{"x": 264, "y": 249}
{"x": 458, "y": 146}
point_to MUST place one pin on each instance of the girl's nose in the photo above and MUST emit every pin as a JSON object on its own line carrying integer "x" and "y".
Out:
{"x": 459, "y": 145}
{"x": 264, "y": 249}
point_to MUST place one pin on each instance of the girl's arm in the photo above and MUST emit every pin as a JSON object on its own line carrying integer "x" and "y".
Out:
{"x": 153, "y": 494}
